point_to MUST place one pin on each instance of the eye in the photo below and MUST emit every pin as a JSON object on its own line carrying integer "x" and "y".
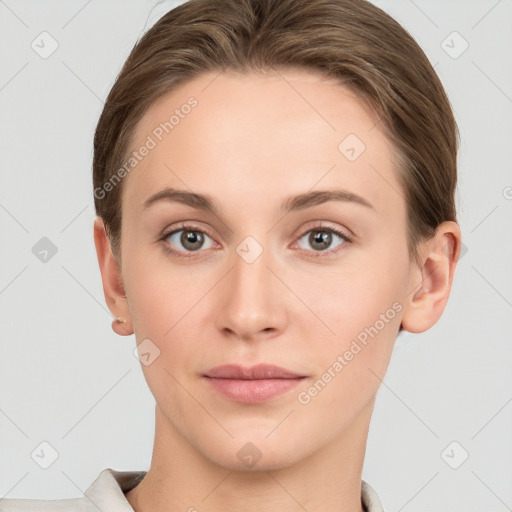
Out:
{"x": 191, "y": 239}
{"x": 188, "y": 239}
{"x": 321, "y": 238}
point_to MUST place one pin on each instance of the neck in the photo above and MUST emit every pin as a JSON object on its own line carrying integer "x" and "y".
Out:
{"x": 183, "y": 479}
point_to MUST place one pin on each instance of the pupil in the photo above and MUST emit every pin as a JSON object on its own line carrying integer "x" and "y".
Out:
{"x": 191, "y": 237}
{"x": 321, "y": 237}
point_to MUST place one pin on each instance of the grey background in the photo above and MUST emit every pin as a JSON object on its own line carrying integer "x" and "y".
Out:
{"x": 68, "y": 380}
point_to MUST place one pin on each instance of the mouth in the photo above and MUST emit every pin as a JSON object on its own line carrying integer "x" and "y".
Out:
{"x": 252, "y": 385}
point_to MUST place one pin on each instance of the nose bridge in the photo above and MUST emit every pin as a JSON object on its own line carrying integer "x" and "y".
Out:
{"x": 250, "y": 275}
{"x": 249, "y": 303}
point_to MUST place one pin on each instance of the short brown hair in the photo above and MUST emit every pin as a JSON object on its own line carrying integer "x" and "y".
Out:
{"x": 350, "y": 40}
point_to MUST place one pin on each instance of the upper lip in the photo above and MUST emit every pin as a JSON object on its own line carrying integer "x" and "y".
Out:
{"x": 259, "y": 371}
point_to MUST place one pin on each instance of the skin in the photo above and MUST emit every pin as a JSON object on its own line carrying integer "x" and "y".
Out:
{"x": 253, "y": 141}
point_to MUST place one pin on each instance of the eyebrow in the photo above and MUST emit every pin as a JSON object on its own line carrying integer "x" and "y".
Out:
{"x": 295, "y": 203}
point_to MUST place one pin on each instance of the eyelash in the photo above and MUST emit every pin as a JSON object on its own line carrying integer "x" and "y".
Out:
{"x": 347, "y": 239}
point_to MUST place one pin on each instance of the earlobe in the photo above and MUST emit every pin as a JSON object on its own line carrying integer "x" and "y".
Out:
{"x": 122, "y": 327}
{"x": 113, "y": 288}
{"x": 432, "y": 283}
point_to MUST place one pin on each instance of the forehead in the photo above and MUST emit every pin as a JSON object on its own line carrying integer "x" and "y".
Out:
{"x": 252, "y": 133}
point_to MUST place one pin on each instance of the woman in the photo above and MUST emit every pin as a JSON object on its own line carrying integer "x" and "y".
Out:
{"x": 274, "y": 187}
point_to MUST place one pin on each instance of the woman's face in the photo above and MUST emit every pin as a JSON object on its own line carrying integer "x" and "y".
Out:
{"x": 286, "y": 160}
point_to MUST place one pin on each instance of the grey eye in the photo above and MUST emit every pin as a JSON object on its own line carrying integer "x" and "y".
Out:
{"x": 321, "y": 239}
{"x": 190, "y": 239}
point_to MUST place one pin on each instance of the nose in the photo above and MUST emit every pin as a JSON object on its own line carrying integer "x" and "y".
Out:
{"x": 252, "y": 300}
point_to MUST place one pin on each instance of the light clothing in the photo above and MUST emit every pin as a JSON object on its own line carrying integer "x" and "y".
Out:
{"x": 106, "y": 494}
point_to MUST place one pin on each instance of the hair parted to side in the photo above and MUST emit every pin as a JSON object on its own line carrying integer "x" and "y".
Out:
{"x": 350, "y": 40}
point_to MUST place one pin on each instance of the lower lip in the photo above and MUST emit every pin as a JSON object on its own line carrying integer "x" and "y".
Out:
{"x": 252, "y": 391}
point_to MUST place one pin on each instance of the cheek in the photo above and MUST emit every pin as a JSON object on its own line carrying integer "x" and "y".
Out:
{"x": 159, "y": 292}
{"x": 348, "y": 299}
{"x": 365, "y": 317}
{"x": 165, "y": 301}
{"x": 357, "y": 312}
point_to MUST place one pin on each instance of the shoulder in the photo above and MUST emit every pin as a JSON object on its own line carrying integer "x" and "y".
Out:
{"x": 106, "y": 493}
{"x": 30, "y": 505}
{"x": 370, "y": 499}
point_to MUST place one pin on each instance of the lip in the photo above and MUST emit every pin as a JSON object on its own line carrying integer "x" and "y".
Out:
{"x": 252, "y": 385}
{"x": 259, "y": 371}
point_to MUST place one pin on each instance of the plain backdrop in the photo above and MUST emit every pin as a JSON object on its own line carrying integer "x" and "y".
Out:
{"x": 440, "y": 437}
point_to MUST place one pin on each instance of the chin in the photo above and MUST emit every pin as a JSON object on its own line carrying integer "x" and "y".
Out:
{"x": 254, "y": 456}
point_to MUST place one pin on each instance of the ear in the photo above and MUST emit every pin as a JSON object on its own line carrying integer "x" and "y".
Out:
{"x": 111, "y": 276}
{"x": 432, "y": 281}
